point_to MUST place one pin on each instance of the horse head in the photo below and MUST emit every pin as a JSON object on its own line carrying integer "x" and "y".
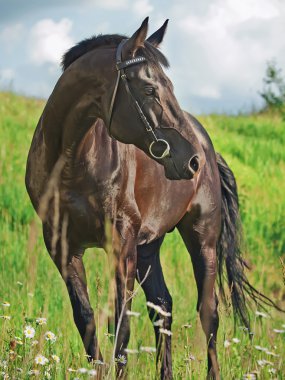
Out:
{"x": 142, "y": 108}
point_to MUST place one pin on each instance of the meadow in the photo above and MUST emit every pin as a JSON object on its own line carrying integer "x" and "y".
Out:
{"x": 31, "y": 287}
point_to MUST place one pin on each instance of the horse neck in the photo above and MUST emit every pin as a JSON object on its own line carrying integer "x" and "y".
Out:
{"x": 73, "y": 107}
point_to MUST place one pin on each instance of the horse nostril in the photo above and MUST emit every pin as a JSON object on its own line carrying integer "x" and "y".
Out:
{"x": 194, "y": 164}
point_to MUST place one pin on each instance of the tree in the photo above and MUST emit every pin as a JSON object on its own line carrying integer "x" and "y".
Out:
{"x": 274, "y": 88}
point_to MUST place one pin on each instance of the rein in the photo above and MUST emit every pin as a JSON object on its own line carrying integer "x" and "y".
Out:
{"x": 121, "y": 66}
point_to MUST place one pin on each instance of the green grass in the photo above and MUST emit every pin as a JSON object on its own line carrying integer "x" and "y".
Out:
{"x": 254, "y": 148}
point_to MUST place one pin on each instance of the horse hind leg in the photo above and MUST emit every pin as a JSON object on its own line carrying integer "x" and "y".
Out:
{"x": 73, "y": 273}
{"x": 202, "y": 248}
{"x": 156, "y": 292}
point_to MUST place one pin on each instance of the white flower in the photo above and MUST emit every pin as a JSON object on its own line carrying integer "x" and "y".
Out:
{"x": 133, "y": 313}
{"x": 18, "y": 341}
{"x": 279, "y": 331}
{"x": 6, "y": 304}
{"x": 55, "y": 358}
{"x": 50, "y": 336}
{"x": 19, "y": 283}
{"x": 99, "y": 362}
{"x": 82, "y": 370}
{"x": 71, "y": 370}
{"x": 227, "y": 343}
{"x": 271, "y": 353}
{"x": 261, "y": 314}
{"x": 121, "y": 359}
{"x": 41, "y": 360}
{"x": 147, "y": 349}
{"x": 131, "y": 351}
{"x": 249, "y": 376}
{"x": 264, "y": 362}
{"x": 272, "y": 370}
{"x": 41, "y": 321}
{"x": 158, "y": 309}
{"x": 165, "y": 331}
{"x": 6, "y": 317}
{"x": 29, "y": 332}
{"x": 259, "y": 348}
{"x": 261, "y": 363}
{"x": 34, "y": 372}
{"x": 158, "y": 323}
{"x": 35, "y": 342}
{"x": 47, "y": 375}
{"x": 187, "y": 326}
{"x": 235, "y": 340}
{"x": 92, "y": 372}
{"x": 3, "y": 364}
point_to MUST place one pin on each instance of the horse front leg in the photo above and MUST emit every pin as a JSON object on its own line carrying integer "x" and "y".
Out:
{"x": 160, "y": 301}
{"x": 71, "y": 268}
{"x": 125, "y": 273}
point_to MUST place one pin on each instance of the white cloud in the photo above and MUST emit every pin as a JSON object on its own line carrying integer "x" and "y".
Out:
{"x": 111, "y": 4}
{"x": 49, "y": 40}
{"x": 142, "y": 8}
{"x": 229, "y": 44}
{"x": 12, "y": 33}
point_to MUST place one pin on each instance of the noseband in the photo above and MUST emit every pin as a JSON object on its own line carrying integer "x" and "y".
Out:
{"x": 121, "y": 66}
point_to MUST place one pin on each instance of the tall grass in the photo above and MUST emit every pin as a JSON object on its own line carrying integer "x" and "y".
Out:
{"x": 254, "y": 148}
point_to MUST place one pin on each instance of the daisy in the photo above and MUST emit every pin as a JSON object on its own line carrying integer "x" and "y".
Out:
{"x": 121, "y": 359}
{"x": 34, "y": 372}
{"x": 29, "y": 332}
{"x": 158, "y": 323}
{"x": 55, "y": 358}
{"x": 147, "y": 349}
{"x": 259, "y": 348}
{"x": 236, "y": 340}
{"x": 249, "y": 376}
{"x": 6, "y": 304}
{"x": 261, "y": 314}
{"x": 271, "y": 353}
{"x": 279, "y": 331}
{"x": 82, "y": 370}
{"x": 227, "y": 343}
{"x": 99, "y": 362}
{"x": 158, "y": 309}
{"x": 165, "y": 331}
{"x": 50, "y": 336}
{"x": 41, "y": 360}
{"x": 41, "y": 321}
{"x": 131, "y": 351}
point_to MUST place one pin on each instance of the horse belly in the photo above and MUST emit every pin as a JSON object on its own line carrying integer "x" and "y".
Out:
{"x": 162, "y": 210}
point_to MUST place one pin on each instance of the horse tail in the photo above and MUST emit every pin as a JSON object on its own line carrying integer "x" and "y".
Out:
{"x": 229, "y": 251}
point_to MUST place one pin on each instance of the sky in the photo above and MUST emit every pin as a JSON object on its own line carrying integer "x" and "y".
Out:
{"x": 218, "y": 49}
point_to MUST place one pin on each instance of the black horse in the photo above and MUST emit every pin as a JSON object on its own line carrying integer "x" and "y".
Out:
{"x": 114, "y": 152}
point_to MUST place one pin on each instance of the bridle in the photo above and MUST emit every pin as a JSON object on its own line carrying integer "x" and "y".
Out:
{"x": 121, "y": 66}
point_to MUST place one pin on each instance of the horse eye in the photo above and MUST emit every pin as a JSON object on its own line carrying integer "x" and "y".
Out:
{"x": 149, "y": 90}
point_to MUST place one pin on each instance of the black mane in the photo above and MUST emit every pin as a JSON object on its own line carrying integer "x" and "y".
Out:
{"x": 152, "y": 54}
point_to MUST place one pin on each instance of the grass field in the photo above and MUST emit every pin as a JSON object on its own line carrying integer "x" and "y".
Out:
{"x": 254, "y": 147}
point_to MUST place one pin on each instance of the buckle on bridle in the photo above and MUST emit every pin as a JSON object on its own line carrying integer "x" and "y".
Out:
{"x": 166, "y": 152}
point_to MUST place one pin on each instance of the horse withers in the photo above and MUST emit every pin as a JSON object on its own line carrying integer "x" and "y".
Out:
{"x": 115, "y": 163}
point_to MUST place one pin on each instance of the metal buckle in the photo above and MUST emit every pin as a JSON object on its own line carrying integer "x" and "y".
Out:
{"x": 164, "y": 154}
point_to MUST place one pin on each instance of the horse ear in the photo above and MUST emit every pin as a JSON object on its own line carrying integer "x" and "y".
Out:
{"x": 137, "y": 40}
{"x": 156, "y": 38}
